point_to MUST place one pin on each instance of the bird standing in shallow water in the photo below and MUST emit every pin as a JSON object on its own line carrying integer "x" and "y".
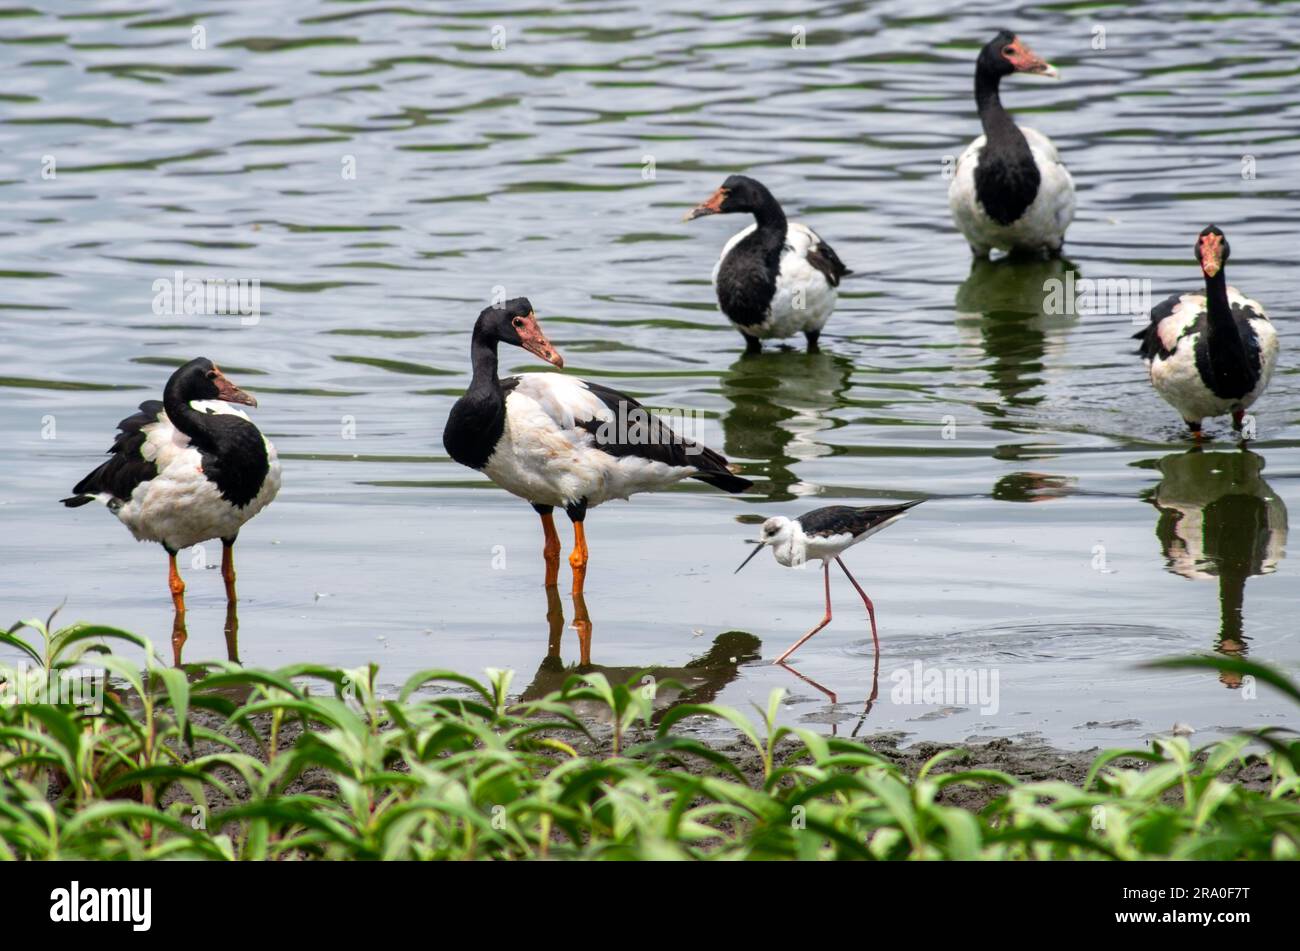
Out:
{"x": 826, "y": 533}
{"x": 774, "y": 279}
{"x": 1010, "y": 190}
{"x": 555, "y": 440}
{"x": 187, "y": 469}
{"x": 1209, "y": 354}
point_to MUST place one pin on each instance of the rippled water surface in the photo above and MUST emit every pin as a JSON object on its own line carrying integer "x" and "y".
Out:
{"x": 1070, "y": 534}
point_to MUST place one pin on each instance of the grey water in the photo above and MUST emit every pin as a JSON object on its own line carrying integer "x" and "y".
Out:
{"x": 381, "y": 170}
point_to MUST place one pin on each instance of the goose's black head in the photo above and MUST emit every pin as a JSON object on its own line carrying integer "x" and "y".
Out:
{"x": 1211, "y": 251}
{"x": 1006, "y": 54}
{"x": 201, "y": 379}
{"x": 515, "y": 323}
{"x": 739, "y": 193}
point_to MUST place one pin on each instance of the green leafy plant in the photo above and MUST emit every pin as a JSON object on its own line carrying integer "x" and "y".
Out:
{"x": 226, "y": 763}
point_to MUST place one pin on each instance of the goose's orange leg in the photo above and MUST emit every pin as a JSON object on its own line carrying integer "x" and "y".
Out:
{"x": 578, "y": 560}
{"x": 228, "y": 567}
{"x": 551, "y": 550}
{"x": 175, "y": 583}
{"x": 177, "y": 587}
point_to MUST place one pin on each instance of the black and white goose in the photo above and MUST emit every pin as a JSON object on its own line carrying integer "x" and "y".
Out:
{"x": 555, "y": 440}
{"x": 824, "y": 534}
{"x": 1209, "y": 354}
{"x": 1009, "y": 190}
{"x": 776, "y": 278}
{"x": 187, "y": 469}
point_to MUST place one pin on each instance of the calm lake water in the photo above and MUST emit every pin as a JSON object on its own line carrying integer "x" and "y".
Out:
{"x": 1070, "y": 535}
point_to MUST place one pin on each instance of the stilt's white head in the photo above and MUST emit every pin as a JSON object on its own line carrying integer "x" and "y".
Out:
{"x": 779, "y": 532}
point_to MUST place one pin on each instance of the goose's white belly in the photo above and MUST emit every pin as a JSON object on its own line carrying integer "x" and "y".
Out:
{"x": 180, "y": 506}
{"x": 804, "y": 299}
{"x": 1043, "y": 223}
{"x": 1176, "y": 378}
{"x": 547, "y": 463}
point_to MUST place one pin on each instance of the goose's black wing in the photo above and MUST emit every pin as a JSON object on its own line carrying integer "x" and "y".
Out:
{"x": 638, "y": 432}
{"x": 823, "y": 257}
{"x": 128, "y": 467}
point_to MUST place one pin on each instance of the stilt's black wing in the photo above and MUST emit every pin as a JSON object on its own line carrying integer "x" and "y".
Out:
{"x": 850, "y": 520}
{"x": 128, "y": 467}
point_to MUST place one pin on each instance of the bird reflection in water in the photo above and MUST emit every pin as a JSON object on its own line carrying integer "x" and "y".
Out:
{"x": 867, "y": 706}
{"x": 1220, "y": 519}
{"x": 699, "y": 681}
{"x": 180, "y": 633}
{"x": 1007, "y": 302}
{"x": 780, "y": 403}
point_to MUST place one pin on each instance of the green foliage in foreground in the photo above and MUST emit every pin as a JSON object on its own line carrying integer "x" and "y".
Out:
{"x": 451, "y": 769}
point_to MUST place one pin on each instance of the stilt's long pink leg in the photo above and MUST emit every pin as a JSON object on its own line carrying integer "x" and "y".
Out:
{"x": 826, "y": 571}
{"x": 871, "y": 610}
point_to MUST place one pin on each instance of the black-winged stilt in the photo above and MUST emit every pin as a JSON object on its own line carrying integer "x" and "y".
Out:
{"x": 555, "y": 440}
{"x": 1209, "y": 354}
{"x": 825, "y": 534}
{"x": 774, "y": 279}
{"x": 186, "y": 469}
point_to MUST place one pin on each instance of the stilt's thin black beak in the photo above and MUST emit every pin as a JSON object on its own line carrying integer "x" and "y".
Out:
{"x": 757, "y": 549}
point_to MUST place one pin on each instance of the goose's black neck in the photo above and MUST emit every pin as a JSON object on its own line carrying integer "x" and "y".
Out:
{"x": 186, "y": 418}
{"x": 233, "y": 451}
{"x": 770, "y": 216}
{"x": 747, "y": 277}
{"x": 1224, "y": 336}
{"x": 1223, "y": 360}
{"x": 1007, "y": 177}
{"x": 995, "y": 119}
{"x": 479, "y": 417}
{"x": 483, "y": 361}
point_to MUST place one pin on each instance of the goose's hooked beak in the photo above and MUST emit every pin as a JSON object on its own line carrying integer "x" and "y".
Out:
{"x": 758, "y": 546}
{"x": 1026, "y": 60}
{"x": 534, "y": 341}
{"x": 228, "y": 392}
{"x": 711, "y": 206}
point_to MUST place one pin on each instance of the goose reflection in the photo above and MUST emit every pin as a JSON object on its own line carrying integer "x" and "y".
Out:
{"x": 1007, "y": 304}
{"x": 180, "y": 634}
{"x": 780, "y": 405}
{"x": 700, "y": 680}
{"x": 1220, "y": 519}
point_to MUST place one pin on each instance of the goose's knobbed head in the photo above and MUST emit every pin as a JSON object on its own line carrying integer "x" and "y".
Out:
{"x": 515, "y": 323}
{"x": 201, "y": 379}
{"x": 1006, "y": 53}
{"x": 1211, "y": 251}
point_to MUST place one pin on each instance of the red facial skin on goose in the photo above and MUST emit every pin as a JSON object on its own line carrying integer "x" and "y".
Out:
{"x": 712, "y": 206}
{"x": 1211, "y": 253}
{"x": 228, "y": 392}
{"x": 534, "y": 341}
{"x": 1026, "y": 60}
